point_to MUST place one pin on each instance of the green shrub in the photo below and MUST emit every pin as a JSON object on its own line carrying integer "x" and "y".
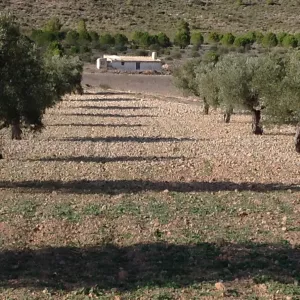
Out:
{"x": 270, "y": 40}
{"x": 297, "y": 37}
{"x": 53, "y": 25}
{"x": 290, "y": 41}
{"x": 214, "y": 37}
{"x": 120, "y": 39}
{"x": 55, "y": 48}
{"x": 259, "y": 37}
{"x": 241, "y": 41}
{"x": 163, "y": 40}
{"x": 72, "y": 37}
{"x": 74, "y": 50}
{"x": 197, "y": 39}
{"x": 106, "y": 40}
{"x": 183, "y": 35}
{"x": 228, "y": 39}
{"x": 120, "y": 48}
{"x": 252, "y": 36}
{"x": 43, "y": 38}
{"x": 84, "y": 49}
{"x": 143, "y": 39}
{"x": 94, "y": 36}
{"x": 280, "y": 37}
{"x": 84, "y": 36}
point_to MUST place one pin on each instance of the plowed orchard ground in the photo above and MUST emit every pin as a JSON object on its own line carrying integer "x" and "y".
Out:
{"x": 125, "y": 196}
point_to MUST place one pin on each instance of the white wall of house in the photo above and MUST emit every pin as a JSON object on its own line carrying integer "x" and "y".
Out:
{"x": 126, "y": 65}
{"x": 133, "y": 66}
{"x": 151, "y": 65}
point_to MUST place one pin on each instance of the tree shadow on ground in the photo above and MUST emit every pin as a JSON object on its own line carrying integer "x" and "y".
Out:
{"x": 115, "y": 187}
{"x": 279, "y": 133}
{"x": 105, "y": 159}
{"x": 104, "y": 100}
{"x": 96, "y": 125}
{"x": 108, "y": 93}
{"x": 108, "y": 115}
{"x": 134, "y": 139}
{"x": 147, "y": 265}
{"x": 114, "y": 107}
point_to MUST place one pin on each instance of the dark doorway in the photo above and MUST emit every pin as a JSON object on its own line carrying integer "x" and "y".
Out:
{"x": 138, "y": 65}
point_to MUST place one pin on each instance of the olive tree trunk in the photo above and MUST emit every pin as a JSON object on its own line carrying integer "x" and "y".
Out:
{"x": 206, "y": 108}
{"x": 297, "y": 138}
{"x": 227, "y": 114}
{"x": 2, "y": 126}
{"x": 256, "y": 127}
{"x": 16, "y": 131}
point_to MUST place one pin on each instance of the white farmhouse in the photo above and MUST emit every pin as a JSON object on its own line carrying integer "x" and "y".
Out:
{"x": 130, "y": 63}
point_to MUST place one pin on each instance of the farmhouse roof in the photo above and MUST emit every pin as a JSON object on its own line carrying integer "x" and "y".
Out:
{"x": 131, "y": 58}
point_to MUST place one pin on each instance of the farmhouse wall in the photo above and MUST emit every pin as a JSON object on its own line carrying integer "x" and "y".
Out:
{"x": 131, "y": 66}
{"x": 126, "y": 66}
{"x": 151, "y": 66}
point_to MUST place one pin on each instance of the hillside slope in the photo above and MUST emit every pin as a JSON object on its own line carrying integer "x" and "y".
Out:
{"x": 160, "y": 15}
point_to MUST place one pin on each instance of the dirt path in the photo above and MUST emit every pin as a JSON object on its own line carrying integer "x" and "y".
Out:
{"x": 147, "y": 84}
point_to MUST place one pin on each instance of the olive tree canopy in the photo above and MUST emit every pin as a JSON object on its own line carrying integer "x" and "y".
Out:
{"x": 29, "y": 82}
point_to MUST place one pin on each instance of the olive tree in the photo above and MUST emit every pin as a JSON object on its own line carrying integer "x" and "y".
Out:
{"x": 185, "y": 79}
{"x": 268, "y": 82}
{"x": 29, "y": 82}
{"x": 64, "y": 74}
{"x": 208, "y": 85}
{"x": 279, "y": 81}
{"x": 235, "y": 80}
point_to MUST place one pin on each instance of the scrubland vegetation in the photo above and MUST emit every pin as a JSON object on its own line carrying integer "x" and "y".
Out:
{"x": 155, "y": 16}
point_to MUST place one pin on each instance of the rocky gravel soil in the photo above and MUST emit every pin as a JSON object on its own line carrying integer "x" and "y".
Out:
{"x": 137, "y": 141}
{"x": 131, "y": 196}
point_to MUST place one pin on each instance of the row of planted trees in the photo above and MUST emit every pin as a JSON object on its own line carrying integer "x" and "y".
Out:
{"x": 267, "y": 40}
{"x": 31, "y": 82}
{"x": 265, "y": 84}
{"x": 53, "y": 38}
{"x": 80, "y": 41}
